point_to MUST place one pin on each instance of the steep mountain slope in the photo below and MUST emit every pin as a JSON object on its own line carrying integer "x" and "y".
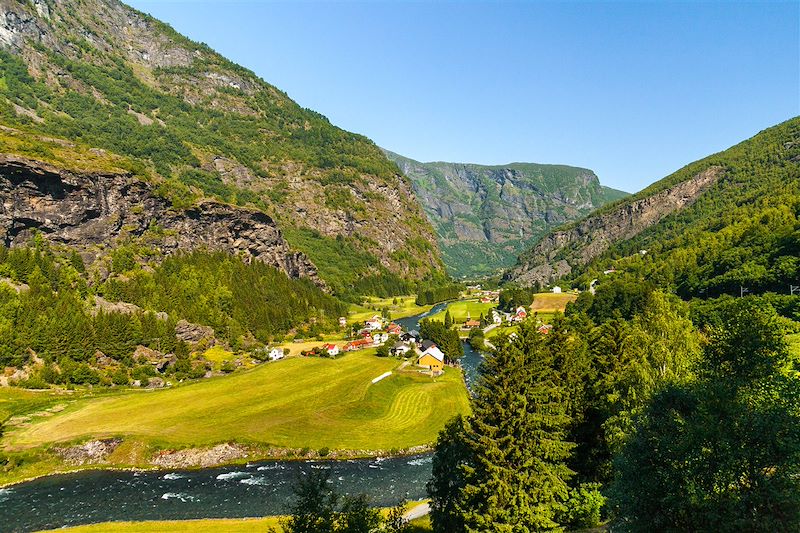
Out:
{"x": 486, "y": 215}
{"x": 722, "y": 223}
{"x": 198, "y": 126}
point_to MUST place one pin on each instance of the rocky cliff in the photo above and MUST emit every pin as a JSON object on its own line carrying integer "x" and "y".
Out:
{"x": 486, "y": 215}
{"x": 99, "y": 72}
{"x": 93, "y": 211}
{"x": 559, "y": 252}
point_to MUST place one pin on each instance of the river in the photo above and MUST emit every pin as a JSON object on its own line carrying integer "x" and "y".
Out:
{"x": 256, "y": 489}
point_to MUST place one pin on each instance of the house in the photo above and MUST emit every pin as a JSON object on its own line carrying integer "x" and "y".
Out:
{"x": 342, "y": 322}
{"x": 520, "y": 315}
{"x": 332, "y": 349}
{"x": 394, "y": 329}
{"x": 544, "y": 329}
{"x": 497, "y": 318}
{"x": 400, "y": 349}
{"x": 556, "y": 290}
{"x": 380, "y": 338}
{"x": 410, "y": 336}
{"x": 469, "y": 324}
{"x": 359, "y": 344}
{"x": 432, "y": 358}
{"x": 427, "y": 345}
{"x": 373, "y": 323}
{"x": 275, "y": 354}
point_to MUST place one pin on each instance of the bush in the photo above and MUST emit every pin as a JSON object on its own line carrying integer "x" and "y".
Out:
{"x": 584, "y": 507}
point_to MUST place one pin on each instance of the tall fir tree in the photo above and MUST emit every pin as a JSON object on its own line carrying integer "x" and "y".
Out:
{"x": 517, "y": 479}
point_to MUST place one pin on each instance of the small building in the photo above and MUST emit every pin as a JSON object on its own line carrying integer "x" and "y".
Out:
{"x": 544, "y": 329}
{"x": 556, "y": 290}
{"x": 394, "y": 329}
{"x": 359, "y": 344}
{"x": 520, "y": 315}
{"x": 332, "y": 349}
{"x": 380, "y": 338}
{"x": 373, "y": 324}
{"x": 400, "y": 349}
{"x": 497, "y": 318}
{"x": 432, "y": 358}
{"x": 275, "y": 354}
{"x": 427, "y": 345}
{"x": 469, "y": 324}
{"x": 342, "y": 322}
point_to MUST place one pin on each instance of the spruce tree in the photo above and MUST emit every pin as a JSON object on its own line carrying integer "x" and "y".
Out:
{"x": 516, "y": 481}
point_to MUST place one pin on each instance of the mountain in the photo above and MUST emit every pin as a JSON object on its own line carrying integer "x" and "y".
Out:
{"x": 485, "y": 216}
{"x": 199, "y": 128}
{"x": 719, "y": 225}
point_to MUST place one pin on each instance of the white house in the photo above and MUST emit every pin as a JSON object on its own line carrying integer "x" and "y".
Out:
{"x": 380, "y": 338}
{"x": 556, "y": 290}
{"x": 496, "y": 317}
{"x": 400, "y": 349}
{"x": 332, "y": 349}
{"x": 373, "y": 323}
{"x": 275, "y": 354}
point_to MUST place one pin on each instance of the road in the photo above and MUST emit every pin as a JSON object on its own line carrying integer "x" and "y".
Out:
{"x": 417, "y": 512}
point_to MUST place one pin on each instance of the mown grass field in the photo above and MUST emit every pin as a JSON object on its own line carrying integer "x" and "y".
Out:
{"x": 460, "y": 309}
{"x": 404, "y": 307}
{"x": 547, "y": 302}
{"x": 295, "y": 403}
{"x": 220, "y": 525}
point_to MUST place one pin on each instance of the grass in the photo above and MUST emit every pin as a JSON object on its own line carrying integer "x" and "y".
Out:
{"x": 218, "y": 355}
{"x": 298, "y": 402}
{"x": 209, "y": 525}
{"x": 458, "y": 310}
{"x": 404, "y": 307}
{"x": 547, "y": 302}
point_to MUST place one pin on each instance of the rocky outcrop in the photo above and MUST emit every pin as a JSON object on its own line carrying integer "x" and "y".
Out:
{"x": 92, "y": 452}
{"x": 559, "y": 252}
{"x": 200, "y": 457}
{"x": 91, "y": 210}
{"x": 486, "y": 215}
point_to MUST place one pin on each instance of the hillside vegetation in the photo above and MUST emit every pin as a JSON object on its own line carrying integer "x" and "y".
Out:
{"x": 743, "y": 232}
{"x": 102, "y": 74}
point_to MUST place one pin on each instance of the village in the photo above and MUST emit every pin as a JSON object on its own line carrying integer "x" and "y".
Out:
{"x": 389, "y": 338}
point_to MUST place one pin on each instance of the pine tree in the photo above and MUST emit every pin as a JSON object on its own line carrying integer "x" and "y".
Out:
{"x": 517, "y": 479}
{"x": 448, "y": 320}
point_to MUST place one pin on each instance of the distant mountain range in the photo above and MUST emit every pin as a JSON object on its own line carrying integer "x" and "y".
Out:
{"x": 484, "y": 216}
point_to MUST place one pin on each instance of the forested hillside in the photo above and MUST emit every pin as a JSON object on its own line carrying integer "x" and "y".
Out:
{"x": 485, "y": 216}
{"x": 199, "y": 126}
{"x": 741, "y": 231}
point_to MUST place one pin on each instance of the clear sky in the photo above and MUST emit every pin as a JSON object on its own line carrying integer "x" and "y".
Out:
{"x": 632, "y": 90}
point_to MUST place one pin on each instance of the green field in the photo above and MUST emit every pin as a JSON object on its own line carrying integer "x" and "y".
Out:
{"x": 218, "y": 525}
{"x": 458, "y": 310}
{"x": 295, "y": 403}
{"x": 404, "y": 307}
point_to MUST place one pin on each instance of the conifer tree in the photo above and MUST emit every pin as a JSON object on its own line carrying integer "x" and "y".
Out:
{"x": 517, "y": 480}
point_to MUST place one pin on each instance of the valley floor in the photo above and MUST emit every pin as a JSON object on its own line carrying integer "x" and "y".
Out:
{"x": 305, "y": 405}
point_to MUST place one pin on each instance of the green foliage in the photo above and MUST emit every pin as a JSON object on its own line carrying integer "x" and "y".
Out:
{"x": 722, "y": 453}
{"x": 434, "y": 295}
{"x": 514, "y": 297}
{"x": 237, "y": 299}
{"x": 517, "y": 477}
{"x": 447, "y": 478}
{"x": 318, "y": 508}
{"x": 584, "y": 507}
{"x": 447, "y": 340}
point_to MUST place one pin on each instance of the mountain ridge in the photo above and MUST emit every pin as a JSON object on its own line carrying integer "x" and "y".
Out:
{"x": 485, "y": 215}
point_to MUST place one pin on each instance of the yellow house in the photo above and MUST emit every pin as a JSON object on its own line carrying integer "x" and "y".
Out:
{"x": 432, "y": 358}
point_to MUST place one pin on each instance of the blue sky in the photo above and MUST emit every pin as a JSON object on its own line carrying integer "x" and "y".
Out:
{"x": 632, "y": 90}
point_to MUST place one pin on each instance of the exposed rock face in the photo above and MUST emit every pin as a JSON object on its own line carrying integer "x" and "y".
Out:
{"x": 87, "y": 210}
{"x": 200, "y": 457}
{"x": 92, "y": 452}
{"x": 559, "y": 252}
{"x": 486, "y": 215}
{"x": 193, "y": 333}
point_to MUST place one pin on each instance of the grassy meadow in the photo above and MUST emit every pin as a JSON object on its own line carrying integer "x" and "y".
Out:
{"x": 404, "y": 307}
{"x": 295, "y": 403}
{"x": 460, "y": 309}
{"x": 547, "y": 302}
